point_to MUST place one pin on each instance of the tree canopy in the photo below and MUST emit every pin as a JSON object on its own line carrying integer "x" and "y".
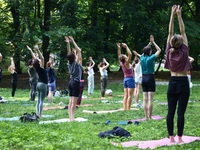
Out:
{"x": 96, "y": 25}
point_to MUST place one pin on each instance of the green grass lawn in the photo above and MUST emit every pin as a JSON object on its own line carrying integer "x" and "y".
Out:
{"x": 83, "y": 135}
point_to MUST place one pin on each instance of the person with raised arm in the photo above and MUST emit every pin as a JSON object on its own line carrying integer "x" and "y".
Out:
{"x": 51, "y": 78}
{"x": 14, "y": 80}
{"x": 75, "y": 76}
{"x": 177, "y": 61}
{"x": 82, "y": 72}
{"x": 138, "y": 77}
{"x": 33, "y": 75}
{"x": 147, "y": 60}
{"x": 104, "y": 76}
{"x": 129, "y": 81}
{"x": 90, "y": 78}
{"x": 38, "y": 64}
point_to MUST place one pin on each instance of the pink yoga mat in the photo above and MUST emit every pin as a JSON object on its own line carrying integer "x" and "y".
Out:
{"x": 120, "y": 95}
{"x": 48, "y": 108}
{"x": 153, "y": 117}
{"x": 156, "y": 143}
{"x": 106, "y": 111}
{"x": 96, "y": 98}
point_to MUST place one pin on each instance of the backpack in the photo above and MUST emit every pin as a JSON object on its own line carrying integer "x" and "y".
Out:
{"x": 29, "y": 117}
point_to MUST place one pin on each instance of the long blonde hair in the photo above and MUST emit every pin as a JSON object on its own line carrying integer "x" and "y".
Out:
{"x": 176, "y": 42}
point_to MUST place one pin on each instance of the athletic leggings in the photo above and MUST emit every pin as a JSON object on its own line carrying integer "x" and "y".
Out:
{"x": 81, "y": 92}
{"x": 104, "y": 80}
{"x": 178, "y": 91}
{"x": 14, "y": 86}
{"x": 42, "y": 92}
{"x": 33, "y": 84}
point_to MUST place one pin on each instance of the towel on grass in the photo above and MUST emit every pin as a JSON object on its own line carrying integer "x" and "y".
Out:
{"x": 63, "y": 120}
{"x": 152, "y": 144}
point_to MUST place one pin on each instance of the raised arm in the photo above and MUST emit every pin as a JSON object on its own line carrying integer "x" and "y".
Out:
{"x": 32, "y": 54}
{"x": 75, "y": 45}
{"x": 181, "y": 26}
{"x": 129, "y": 53}
{"x": 133, "y": 63}
{"x": 171, "y": 23}
{"x": 40, "y": 56}
{"x": 191, "y": 59}
{"x": 92, "y": 61}
{"x": 68, "y": 44}
{"x": 156, "y": 46}
{"x": 1, "y": 57}
{"x": 135, "y": 53}
{"x": 106, "y": 66}
{"x": 12, "y": 63}
{"x": 118, "y": 50}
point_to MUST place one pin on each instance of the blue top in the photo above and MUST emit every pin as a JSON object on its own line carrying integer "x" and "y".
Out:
{"x": 148, "y": 64}
{"x": 50, "y": 75}
{"x": 42, "y": 75}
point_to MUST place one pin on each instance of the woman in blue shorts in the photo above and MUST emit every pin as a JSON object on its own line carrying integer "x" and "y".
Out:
{"x": 147, "y": 60}
{"x": 129, "y": 81}
{"x": 51, "y": 78}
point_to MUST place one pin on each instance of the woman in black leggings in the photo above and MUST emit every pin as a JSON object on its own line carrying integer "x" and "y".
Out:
{"x": 14, "y": 80}
{"x": 177, "y": 62}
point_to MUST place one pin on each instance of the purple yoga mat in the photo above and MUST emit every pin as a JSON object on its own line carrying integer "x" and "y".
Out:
{"x": 153, "y": 117}
{"x": 156, "y": 143}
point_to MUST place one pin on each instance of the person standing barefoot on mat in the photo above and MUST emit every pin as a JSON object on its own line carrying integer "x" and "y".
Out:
{"x": 104, "y": 76}
{"x": 82, "y": 70}
{"x": 38, "y": 64}
{"x": 177, "y": 61}
{"x": 129, "y": 81}
{"x": 51, "y": 78}
{"x": 148, "y": 80}
{"x": 90, "y": 78}
{"x": 75, "y": 76}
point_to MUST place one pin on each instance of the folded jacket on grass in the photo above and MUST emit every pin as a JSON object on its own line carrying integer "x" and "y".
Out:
{"x": 156, "y": 143}
{"x": 116, "y": 131}
{"x": 106, "y": 111}
{"x": 63, "y": 120}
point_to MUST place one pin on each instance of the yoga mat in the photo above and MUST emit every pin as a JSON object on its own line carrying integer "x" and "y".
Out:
{"x": 47, "y": 116}
{"x": 106, "y": 111}
{"x": 156, "y": 143}
{"x": 25, "y": 104}
{"x": 153, "y": 117}
{"x": 48, "y": 108}
{"x": 3, "y": 101}
{"x": 96, "y": 98}
{"x": 86, "y": 105}
{"x": 9, "y": 119}
{"x": 120, "y": 95}
{"x": 167, "y": 103}
{"x": 107, "y": 101}
{"x": 63, "y": 120}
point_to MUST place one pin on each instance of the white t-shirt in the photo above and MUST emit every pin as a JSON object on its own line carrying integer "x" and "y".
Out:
{"x": 138, "y": 70}
{"x": 103, "y": 73}
{"x": 90, "y": 71}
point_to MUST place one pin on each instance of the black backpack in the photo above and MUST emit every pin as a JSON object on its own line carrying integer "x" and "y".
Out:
{"x": 29, "y": 117}
{"x": 116, "y": 131}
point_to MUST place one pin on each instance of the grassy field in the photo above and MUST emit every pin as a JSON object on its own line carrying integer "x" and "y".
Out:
{"x": 84, "y": 135}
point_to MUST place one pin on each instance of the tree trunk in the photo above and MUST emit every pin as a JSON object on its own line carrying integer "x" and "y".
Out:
{"x": 46, "y": 28}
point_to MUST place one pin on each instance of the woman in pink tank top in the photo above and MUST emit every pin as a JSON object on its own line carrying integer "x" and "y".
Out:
{"x": 129, "y": 81}
{"x": 177, "y": 61}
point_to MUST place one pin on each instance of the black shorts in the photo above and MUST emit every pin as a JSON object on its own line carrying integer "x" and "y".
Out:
{"x": 74, "y": 88}
{"x": 148, "y": 83}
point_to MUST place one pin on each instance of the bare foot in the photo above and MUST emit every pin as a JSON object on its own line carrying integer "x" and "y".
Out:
{"x": 172, "y": 139}
{"x": 180, "y": 139}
